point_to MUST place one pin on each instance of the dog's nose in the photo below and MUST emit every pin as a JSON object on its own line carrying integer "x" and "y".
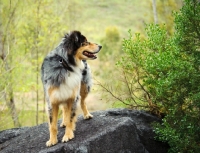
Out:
{"x": 100, "y": 47}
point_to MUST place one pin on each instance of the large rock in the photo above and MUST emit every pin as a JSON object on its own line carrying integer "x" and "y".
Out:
{"x": 111, "y": 131}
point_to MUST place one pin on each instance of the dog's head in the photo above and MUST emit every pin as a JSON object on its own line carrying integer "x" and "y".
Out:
{"x": 77, "y": 45}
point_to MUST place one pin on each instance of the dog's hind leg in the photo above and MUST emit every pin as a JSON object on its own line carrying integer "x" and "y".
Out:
{"x": 69, "y": 119}
{"x": 53, "y": 117}
{"x": 84, "y": 92}
{"x": 64, "y": 112}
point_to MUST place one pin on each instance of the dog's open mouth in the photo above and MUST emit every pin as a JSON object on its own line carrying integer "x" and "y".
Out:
{"x": 89, "y": 54}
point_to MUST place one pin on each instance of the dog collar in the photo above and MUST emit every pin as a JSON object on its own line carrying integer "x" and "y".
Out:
{"x": 65, "y": 65}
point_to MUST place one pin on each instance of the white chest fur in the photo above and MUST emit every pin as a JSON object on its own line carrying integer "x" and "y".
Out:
{"x": 70, "y": 88}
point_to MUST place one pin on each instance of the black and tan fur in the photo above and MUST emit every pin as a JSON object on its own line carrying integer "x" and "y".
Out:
{"x": 66, "y": 78}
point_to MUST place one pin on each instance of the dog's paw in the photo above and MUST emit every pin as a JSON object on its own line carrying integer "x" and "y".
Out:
{"x": 88, "y": 116}
{"x": 68, "y": 136}
{"x": 51, "y": 142}
{"x": 62, "y": 125}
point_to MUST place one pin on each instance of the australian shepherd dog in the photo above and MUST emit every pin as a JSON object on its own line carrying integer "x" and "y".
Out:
{"x": 66, "y": 79}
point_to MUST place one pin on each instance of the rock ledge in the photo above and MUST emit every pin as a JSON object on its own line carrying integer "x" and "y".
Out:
{"x": 111, "y": 131}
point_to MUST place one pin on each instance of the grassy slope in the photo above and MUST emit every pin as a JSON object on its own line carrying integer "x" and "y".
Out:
{"x": 96, "y": 15}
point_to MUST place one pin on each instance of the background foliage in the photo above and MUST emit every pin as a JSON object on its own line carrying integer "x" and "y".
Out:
{"x": 161, "y": 74}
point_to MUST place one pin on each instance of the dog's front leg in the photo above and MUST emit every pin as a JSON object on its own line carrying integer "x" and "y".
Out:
{"x": 69, "y": 119}
{"x": 53, "y": 117}
{"x": 86, "y": 113}
{"x": 84, "y": 92}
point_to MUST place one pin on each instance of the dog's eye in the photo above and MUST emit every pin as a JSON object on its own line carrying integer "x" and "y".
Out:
{"x": 85, "y": 43}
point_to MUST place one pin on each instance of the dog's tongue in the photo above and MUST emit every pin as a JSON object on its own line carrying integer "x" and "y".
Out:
{"x": 88, "y": 54}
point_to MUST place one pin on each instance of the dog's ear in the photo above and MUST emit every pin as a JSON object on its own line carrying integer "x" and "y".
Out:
{"x": 76, "y": 39}
{"x": 72, "y": 41}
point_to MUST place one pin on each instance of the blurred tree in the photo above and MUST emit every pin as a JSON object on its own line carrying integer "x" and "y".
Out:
{"x": 154, "y": 12}
{"x": 163, "y": 12}
{"x": 28, "y": 30}
{"x": 37, "y": 34}
{"x": 8, "y": 15}
{"x": 110, "y": 43}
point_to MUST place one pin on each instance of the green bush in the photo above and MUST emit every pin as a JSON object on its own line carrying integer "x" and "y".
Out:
{"x": 181, "y": 126}
{"x": 165, "y": 71}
